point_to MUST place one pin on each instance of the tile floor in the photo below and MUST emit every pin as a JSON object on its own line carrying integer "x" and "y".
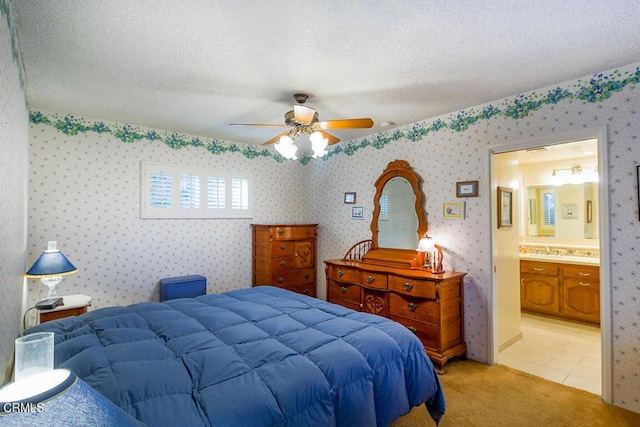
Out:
{"x": 564, "y": 352}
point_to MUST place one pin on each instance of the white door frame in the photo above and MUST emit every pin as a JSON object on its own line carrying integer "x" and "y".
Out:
{"x": 604, "y": 230}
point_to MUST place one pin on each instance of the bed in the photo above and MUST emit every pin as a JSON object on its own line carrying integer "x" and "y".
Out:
{"x": 262, "y": 356}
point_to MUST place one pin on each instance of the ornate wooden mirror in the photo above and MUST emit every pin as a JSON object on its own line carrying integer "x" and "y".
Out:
{"x": 399, "y": 219}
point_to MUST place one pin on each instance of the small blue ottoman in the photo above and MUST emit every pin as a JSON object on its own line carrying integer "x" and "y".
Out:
{"x": 182, "y": 287}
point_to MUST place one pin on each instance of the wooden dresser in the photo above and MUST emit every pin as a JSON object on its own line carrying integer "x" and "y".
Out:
{"x": 429, "y": 305}
{"x": 284, "y": 255}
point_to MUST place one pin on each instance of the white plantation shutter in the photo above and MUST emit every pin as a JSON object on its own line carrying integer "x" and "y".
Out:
{"x": 181, "y": 192}
{"x": 384, "y": 204}
{"x": 239, "y": 194}
{"x": 190, "y": 191}
{"x": 216, "y": 193}
{"x": 160, "y": 190}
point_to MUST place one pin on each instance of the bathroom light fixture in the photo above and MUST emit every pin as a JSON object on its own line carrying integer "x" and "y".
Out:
{"x": 576, "y": 174}
{"x": 50, "y": 267}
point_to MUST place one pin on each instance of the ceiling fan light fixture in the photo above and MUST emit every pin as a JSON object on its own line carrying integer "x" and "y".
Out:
{"x": 286, "y": 148}
{"x": 318, "y": 144}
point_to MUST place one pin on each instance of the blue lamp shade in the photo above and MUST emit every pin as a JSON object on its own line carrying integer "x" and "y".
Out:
{"x": 52, "y": 262}
{"x": 50, "y": 267}
{"x": 58, "y": 398}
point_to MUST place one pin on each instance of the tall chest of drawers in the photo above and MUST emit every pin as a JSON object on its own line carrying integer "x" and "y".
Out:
{"x": 284, "y": 255}
{"x": 429, "y": 305}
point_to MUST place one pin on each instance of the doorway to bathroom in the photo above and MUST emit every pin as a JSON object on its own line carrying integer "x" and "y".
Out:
{"x": 549, "y": 292}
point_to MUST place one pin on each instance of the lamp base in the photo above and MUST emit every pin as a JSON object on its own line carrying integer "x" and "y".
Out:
{"x": 51, "y": 283}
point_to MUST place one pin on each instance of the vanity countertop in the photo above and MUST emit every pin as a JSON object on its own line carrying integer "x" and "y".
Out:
{"x": 561, "y": 259}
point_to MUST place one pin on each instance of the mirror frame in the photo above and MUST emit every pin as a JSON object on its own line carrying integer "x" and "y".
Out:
{"x": 397, "y": 168}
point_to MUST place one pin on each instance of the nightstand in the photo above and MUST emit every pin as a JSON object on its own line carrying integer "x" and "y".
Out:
{"x": 72, "y": 305}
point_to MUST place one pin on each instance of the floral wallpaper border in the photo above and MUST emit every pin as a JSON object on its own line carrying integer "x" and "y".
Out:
{"x": 599, "y": 88}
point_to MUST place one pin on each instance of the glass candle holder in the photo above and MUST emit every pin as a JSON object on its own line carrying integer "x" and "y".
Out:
{"x": 34, "y": 354}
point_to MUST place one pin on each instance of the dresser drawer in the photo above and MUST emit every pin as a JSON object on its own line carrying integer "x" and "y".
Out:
{"x": 414, "y": 308}
{"x": 308, "y": 289}
{"x": 283, "y": 263}
{"x": 427, "y": 332}
{"x": 344, "y": 291}
{"x": 413, "y": 287}
{"x": 373, "y": 280}
{"x": 293, "y": 277}
{"x": 545, "y": 268}
{"x": 292, "y": 233}
{"x": 283, "y": 248}
{"x": 343, "y": 274}
{"x": 582, "y": 272}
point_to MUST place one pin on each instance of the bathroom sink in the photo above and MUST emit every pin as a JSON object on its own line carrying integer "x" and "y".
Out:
{"x": 564, "y": 259}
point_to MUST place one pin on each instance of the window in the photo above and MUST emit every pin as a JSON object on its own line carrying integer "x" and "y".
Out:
{"x": 215, "y": 192}
{"x": 160, "y": 196}
{"x": 177, "y": 192}
{"x": 189, "y": 192}
{"x": 549, "y": 205}
{"x": 384, "y": 207}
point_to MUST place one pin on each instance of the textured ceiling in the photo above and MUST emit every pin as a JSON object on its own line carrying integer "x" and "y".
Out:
{"x": 195, "y": 66}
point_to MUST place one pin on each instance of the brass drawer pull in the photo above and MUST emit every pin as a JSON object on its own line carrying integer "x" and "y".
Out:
{"x": 584, "y": 284}
{"x": 343, "y": 289}
{"x": 538, "y": 269}
{"x": 280, "y": 280}
{"x": 370, "y": 279}
{"x": 307, "y": 276}
{"x": 283, "y": 247}
{"x": 307, "y": 231}
{"x": 340, "y": 273}
{"x": 306, "y": 292}
{"x": 280, "y": 232}
{"x": 283, "y": 263}
{"x": 584, "y": 274}
{"x": 412, "y": 329}
{"x": 412, "y": 306}
{"x": 407, "y": 286}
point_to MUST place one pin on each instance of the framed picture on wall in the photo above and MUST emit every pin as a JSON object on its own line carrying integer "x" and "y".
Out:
{"x": 570, "y": 211}
{"x": 638, "y": 187}
{"x": 357, "y": 212}
{"x": 505, "y": 207}
{"x": 453, "y": 210}
{"x": 467, "y": 189}
{"x": 350, "y": 198}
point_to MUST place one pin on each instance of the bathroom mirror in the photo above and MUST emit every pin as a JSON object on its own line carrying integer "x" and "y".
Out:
{"x": 566, "y": 211}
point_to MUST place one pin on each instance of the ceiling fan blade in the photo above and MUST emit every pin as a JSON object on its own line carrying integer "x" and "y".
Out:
{"x": 332, "y": 139}
{"x": 346, "y": 124}
{"x": 256, "y": 124}
{"x": 275, "y": 138}
{"x": 303, "y": 114}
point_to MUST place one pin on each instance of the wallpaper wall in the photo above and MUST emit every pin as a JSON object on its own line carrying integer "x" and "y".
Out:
{"x": 14, "y": 127}
{"x": 455, "y": 148}
{"x": 84, "y": 193}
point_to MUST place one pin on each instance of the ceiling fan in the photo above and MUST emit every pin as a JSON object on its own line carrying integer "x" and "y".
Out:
{"x": 304, "y": 120}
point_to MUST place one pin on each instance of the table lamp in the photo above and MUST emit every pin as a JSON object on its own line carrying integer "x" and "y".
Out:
{"x": 50, "y": 267}
{"x": 432, "y": 254}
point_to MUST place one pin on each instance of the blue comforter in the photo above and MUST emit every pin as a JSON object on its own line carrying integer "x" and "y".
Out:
{"x": 252, "y": 357}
